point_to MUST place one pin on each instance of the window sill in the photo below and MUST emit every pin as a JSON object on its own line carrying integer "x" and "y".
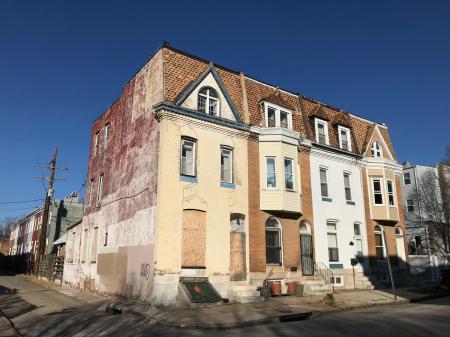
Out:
{"x": 189, "y": 179}
{"x": 291, "y": 191}
{"x": 227, "y": 185}
{"x": 349, "y": 202}
{"x": 327, "y": 199}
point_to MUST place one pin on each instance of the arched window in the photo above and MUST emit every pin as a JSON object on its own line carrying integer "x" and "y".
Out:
{"x": 398, "y": 231}
{"x": 376, "y": 150}
{"x": 304, "y": 227}
{"x": 379, "y": 242}
{"x": 208, "y": 101}
{"x": 273, "y": 241}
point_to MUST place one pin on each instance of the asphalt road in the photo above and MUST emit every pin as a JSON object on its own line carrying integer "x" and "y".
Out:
{"x": 37, "y": 311}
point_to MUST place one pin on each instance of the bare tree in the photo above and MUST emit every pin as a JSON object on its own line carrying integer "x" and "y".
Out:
{"x": 5, "y": 225}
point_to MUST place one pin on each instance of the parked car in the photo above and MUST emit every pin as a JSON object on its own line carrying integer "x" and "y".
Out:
{"x": 444, "y": 278}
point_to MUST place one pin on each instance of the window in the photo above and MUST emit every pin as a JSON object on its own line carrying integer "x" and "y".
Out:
{"x": 208, "y": 101}
{"x": 288, "y": 175}
{"x": 410, "y": 205}
{"x": 226, "y": 165}
{"x": 356, "y": 229}
{"x": 344, "y": 138}
{"x": 90, "y": 191}
{"x": 105, "y": 242}
{"x": 390, "y": 189}
{"x": 377, "y": 194}
{"x": 105, "y": 135}
{"x": 323, "y": 183}
{"x": 333, "y": 251}
{"x": 278, "y": 117}
{"x": 273, "y": 241}
{"x": 96, "y": 140}
{"x": 321, "y": 132}
{"x": 337, "y": 280}
{"x": 84, "y": 251}
{"x": 100, "y": 189}
{"x": 94, "y": 246}
{"x": 348, "y": 190}
{"x": 376, "y": 149}
{"x": 271, "y": 172}
{"x": 407, "y": 178}
{"x": 379, "y": 242}
{"x": 188, "y": 167}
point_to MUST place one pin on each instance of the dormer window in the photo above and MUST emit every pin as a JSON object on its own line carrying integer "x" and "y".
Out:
{"x": 321, "y": 131}
{"x": 278, "y": 117}
{"x": 344, "y": 138}
{"x": 376, "y": 150}
{"x": 208, "y": 101}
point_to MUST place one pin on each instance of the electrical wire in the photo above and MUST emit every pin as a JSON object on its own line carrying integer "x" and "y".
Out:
{"x": 19, "y": 202}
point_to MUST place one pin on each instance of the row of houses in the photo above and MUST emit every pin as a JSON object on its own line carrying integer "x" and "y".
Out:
{"x": 201, "y": 173}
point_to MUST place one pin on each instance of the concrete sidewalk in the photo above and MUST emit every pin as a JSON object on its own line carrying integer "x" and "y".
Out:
{"x": 277, "y": 309}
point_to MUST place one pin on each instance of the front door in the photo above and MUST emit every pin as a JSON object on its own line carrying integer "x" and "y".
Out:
{"x": 307, "y": 254}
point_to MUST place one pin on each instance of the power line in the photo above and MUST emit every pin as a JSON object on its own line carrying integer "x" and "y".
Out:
{"x": 19, "y": 202}
{"x": 18, "y": 209}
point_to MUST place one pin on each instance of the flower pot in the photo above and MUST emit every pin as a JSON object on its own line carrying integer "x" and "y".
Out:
{"x": 276, "y": 288}
{"x": 291, "y": 287}
{"x": 265, "y": 292}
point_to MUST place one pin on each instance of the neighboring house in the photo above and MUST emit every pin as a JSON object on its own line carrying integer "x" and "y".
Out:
{"x": 4, "y": 245}
{"x": 425, "y": 191}
{"x": 25, "y": 234}
{"x": 198, "y": 171}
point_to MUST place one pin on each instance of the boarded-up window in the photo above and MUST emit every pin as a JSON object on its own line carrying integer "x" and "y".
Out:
{"x": 94, "y": 245}
{"x": 193, "y": 239}
{"x": 84, "y": 244}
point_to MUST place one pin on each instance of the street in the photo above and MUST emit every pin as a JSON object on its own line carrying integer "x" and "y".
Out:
{"x": 38, "y": 311}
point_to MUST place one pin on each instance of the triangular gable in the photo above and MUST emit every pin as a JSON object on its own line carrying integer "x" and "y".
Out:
{"x": 210, "y": 78}
{"x": 377, "y": 136}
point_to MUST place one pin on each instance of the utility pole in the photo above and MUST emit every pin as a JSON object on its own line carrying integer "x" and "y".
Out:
{"x": 48, "y": 199}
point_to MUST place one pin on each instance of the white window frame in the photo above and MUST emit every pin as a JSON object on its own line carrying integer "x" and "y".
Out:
{"x": 383, "y": 244}
{"x": 208, "y": 97}
{"x": 105, "y": 135}
{"x": 100, "y": 188}
{"x": 381, "y": 191}
{"x": 194, "y": 157}
{"x": 230, "y": 150}
{"x": 376, "y": 150}
{"x": 408, "y": 204}
{"x": 326, "y": 182}
{"x": 280, "y": 231}
{"x": 334, "y": 232}
{"x": 392, "y": 193}
{"x": 292, "y": 174}
{"x": 349, "y": 142}
{"x": 409, "y": 178}
{"x": 349, "y": 187}
{"x": 275, "y": 172}
{"x": 277, "y": 109}
{"x": 318, "y": 121}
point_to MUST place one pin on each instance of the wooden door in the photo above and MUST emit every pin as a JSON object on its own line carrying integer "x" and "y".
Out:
{"x": 307, "y": 254}
{"x": 193, "y": 238}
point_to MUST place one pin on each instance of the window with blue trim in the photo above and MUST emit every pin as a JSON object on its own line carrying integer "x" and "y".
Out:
{"x": 188, "y": 157}
{"x": 226, "y": 165}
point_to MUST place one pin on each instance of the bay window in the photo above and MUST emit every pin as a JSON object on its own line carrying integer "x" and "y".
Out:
{"x": 288, "y": 175}
{"x": 271, "y": 172}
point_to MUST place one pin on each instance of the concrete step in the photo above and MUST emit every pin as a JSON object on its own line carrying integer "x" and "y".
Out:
{"x": 243, "y": 288}
{"x": 249, "y": 299}
{"x": 311, "y": 282}
{"x": 244, "y": 293}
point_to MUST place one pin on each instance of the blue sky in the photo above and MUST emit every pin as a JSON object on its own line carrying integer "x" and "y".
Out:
{"x": 62, "y": 64}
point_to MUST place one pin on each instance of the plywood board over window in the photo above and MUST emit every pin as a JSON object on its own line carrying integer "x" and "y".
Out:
{"x": 193, "y": 239}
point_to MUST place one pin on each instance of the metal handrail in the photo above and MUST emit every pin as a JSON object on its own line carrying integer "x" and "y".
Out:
{"x": 323, "y": 272}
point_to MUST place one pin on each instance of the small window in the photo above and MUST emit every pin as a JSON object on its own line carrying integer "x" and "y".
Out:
{"x": 105, "y": 241}
{"x": 337, "y": 280}
{"x": 323, "y": 183}
{"x": 105, "y": 135}
{"x": 333, "y": 250}
{"x": 344, "y": 138}
{"x": 96, "y": 141}
{"x": 288, "y": 175}
{"x": 208, "y": 101}
{"x": 84, "y": 251}
{"x": 100, "y": 188}
{"x": 273, "y": 242}
{"x": 226, "y": 165}
{"x": 356, "y": 229}
{"x": 277, "y": 117}
{"x": 348, "y": 190}
{"x": 94, "y": 246}
{"x": 379, "y": 242}
{"x": 407, "y": 178}
{"x": 390, "y": 189}
{"x": 377, "y": 193}
{"x": 321, "y": 132}
{"x": 410, "y": 205}
{"x": 271, "y": 172}
{"x": 376, "y": 150}
{"x": 188, "y": 160}
{"x": 90, "y": 191}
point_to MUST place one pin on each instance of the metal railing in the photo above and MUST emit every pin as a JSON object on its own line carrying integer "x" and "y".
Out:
{"x": 325, "y": 273}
